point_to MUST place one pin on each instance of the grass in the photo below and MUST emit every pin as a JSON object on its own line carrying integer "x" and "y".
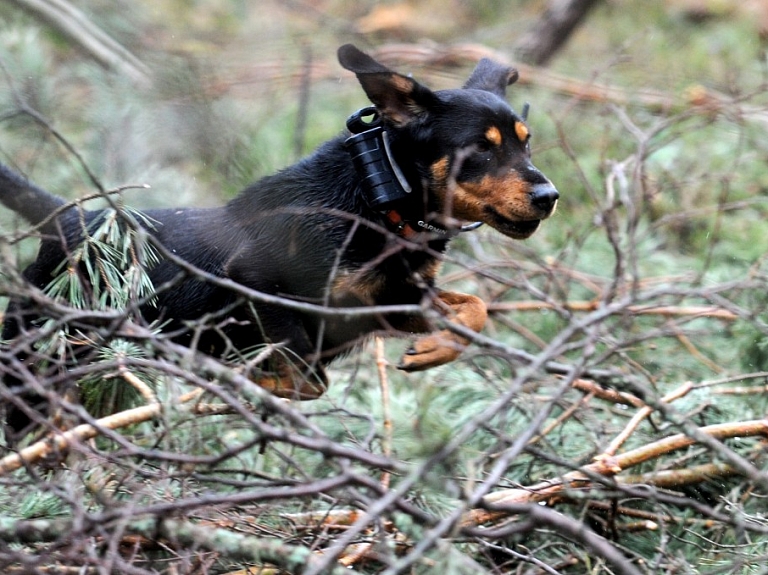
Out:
{"x": 665, "y": 206}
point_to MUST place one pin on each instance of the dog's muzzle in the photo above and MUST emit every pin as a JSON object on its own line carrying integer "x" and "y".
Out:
{"x": 544, "y": 197}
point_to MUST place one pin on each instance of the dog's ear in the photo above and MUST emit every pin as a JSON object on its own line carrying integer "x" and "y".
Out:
{"x": 492, "y": 77}
{"x": 398, "y": 98}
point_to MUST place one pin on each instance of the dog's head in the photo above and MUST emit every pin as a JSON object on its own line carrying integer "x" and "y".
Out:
{"x": 470, "y": 150}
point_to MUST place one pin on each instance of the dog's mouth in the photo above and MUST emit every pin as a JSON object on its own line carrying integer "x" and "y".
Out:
{"x": 518, "y": 230}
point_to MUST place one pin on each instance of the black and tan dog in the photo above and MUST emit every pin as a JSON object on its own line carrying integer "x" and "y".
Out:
{"x": 315, "y": 233}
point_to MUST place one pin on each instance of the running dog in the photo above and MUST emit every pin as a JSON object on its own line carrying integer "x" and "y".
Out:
{"x": 362, "y": 221}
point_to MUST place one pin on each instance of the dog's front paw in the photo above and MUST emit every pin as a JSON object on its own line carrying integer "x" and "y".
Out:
{"x": 432, "y": 350}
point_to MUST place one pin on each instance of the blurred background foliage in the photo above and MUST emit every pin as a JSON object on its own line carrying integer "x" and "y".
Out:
{"x": 663, "y": 189}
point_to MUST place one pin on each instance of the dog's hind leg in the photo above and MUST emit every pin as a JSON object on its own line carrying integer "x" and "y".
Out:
{"x": 445, "y": 346}
{"x": 292, "y": 369}
{"x": 291, "y": 382}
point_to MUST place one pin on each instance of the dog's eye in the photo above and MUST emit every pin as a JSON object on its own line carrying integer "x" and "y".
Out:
{"x": 483, "y": 145}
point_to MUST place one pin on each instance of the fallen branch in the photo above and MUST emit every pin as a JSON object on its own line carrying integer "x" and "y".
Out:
{"x": 743, "y": 390}
{"x": 676, "y": 478}
{"x": 236, "y": 547}
{"x": 63, "y": 440}
{"x": 642, "y": 414}
{"x": 75, "y": 25}
{"x": 239, "y": 547}
{"x": 144, "y": 390}
{"x": 607, "y": 466}
{"x": 711, "y": 312}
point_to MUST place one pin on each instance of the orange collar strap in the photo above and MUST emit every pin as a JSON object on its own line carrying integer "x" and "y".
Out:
{"x": 399, "y": 225}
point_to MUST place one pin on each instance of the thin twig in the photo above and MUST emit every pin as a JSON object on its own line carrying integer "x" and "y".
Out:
{"x": 146, "y": 392}
{"x": 757, "y": 390}
{"x": 694, "y": 351}
{"x": 676, "y": 478}
{"x": 386, "y": 440}
{"x": 620, "y": 397}
{"x": 644, "y": 412}
{"x": 562, "y": 418}
{"x": 711, "y": 312}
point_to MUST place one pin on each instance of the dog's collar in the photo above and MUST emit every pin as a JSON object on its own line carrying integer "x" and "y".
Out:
{"x": 405, "y": 228}
{"x": 382, "y": 183}
{"x": 410, "y": 229}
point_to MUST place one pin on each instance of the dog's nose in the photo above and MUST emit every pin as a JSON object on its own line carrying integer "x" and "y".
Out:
{"x": 544, "y": 196}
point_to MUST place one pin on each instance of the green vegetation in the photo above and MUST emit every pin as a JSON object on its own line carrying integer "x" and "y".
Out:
{"x": 650, "y": 280}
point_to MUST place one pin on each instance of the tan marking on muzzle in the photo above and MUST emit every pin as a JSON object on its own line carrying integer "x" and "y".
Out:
{"x": 509, "y": 196}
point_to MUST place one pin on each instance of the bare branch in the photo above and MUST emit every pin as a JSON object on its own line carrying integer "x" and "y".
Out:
{"x": 75, "y": 25}
{"x": 550, "y": 33}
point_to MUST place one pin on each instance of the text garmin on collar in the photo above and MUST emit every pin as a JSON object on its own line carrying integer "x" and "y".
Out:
{"x": 382, "y": 182}
{"x": 430, "y": 227}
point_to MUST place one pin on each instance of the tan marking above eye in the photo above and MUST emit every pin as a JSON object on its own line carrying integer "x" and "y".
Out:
{"x": 522, "y": 131}
{"x": 493, "y": 135}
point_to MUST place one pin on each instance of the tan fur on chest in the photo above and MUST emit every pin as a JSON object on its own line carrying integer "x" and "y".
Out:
{"x": 361, "y": 287}
{"x": 367, "y": 287}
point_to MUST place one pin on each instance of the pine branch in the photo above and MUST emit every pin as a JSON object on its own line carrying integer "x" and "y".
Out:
{"x": 235, "y": 547}
{"x": 239, "y": 547}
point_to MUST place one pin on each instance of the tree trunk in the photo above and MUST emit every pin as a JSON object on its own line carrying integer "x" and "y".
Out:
{"x": 552, "y": 30}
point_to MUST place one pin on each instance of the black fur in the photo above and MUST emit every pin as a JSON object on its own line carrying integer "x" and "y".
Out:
{"x": 305, "y": 233}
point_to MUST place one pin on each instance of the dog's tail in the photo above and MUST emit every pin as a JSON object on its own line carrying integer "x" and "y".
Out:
{"x": 26, "y": 199}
